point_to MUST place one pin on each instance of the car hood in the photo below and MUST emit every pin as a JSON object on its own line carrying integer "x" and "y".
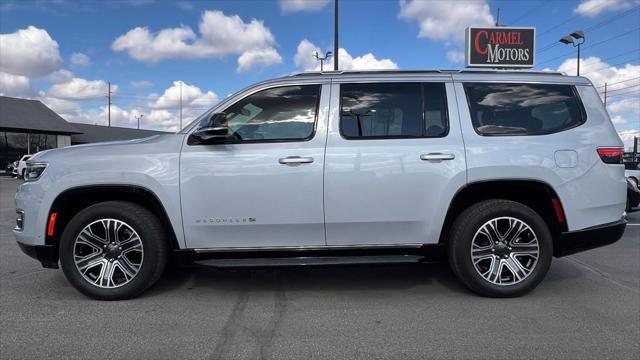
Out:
{"x": 170, "y": 143}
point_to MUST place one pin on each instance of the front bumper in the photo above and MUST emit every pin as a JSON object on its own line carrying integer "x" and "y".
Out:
{"x": 572, "y": 242}
{"x": 46, "y": 254}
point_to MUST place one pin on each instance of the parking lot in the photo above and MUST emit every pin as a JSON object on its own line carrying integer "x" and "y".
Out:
{"x": 588, "y": 307}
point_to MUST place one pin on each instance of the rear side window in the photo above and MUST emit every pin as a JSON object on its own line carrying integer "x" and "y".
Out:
{"x": 393, "y": 110}
{"x": 523, "y": 109}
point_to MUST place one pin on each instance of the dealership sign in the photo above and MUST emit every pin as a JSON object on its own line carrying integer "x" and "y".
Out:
{"x": 500, "y": 47}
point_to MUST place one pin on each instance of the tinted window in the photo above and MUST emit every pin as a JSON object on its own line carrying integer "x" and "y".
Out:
{"x": 392, "y": 110}
{"x": 522, "y": 109}
{"x": 282, "y": 113}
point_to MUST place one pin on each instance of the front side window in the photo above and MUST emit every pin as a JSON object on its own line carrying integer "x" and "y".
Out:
{"x": 392, "y": 110}
{"x": 282, "y": 113}
{"x": 523, "y": 109}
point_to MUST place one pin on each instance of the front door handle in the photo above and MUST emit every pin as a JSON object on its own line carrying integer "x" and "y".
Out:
{"x": 437, "y": 157}
{"x": 295, "y": 160}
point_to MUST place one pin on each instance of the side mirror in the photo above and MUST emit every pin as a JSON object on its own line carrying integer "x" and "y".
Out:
{"x": 214, "y": 132}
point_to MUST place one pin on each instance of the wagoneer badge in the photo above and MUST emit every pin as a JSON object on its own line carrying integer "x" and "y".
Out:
{"x": 226, "y": 220}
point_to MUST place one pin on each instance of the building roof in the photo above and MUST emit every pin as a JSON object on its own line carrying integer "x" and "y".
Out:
{"x": 24, "y": 114}
{"x": 98, "y": 133}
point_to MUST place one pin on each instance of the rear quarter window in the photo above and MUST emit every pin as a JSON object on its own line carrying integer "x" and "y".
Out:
{"x": 523, "y": 109}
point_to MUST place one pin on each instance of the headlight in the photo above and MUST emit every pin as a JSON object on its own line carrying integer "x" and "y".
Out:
{"x": 633, "y": 182}
{"x": 33, "y": 171}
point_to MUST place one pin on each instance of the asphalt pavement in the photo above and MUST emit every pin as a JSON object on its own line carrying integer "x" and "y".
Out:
{"x": 588, "y": 307}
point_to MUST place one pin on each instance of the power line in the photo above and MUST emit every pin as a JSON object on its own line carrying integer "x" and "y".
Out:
{"x": 626, "y": 87}
{"x": 617, "y": 82}
{"x": 610, "y": 66}
{"x": 590, "y": 28}
{"x": 627, "y": 94}
{"x": 530, "y": 11}
{"x": 592, "y": 46}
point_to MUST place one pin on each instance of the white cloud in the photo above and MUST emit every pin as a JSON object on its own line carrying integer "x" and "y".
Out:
{"x": 220, "y": 36}
{"x": 80, "y": 89}
{"x": 304, "y": 55}
{"x": 251, "y": 59}
{"x": 290, "y": 6}
{"x": 455, "y": 56}
{"x": 80, "y": 59}
{"x": 618, "y": 120}
{"x": 59, "y": 76}
{"x": 306, "y": 61}
{"x": 619, "y": 80}
{"x": 14, "y": 85}
{"x": 364, "y": 62}
{"x": 593, "y": 8}
{"x": 629, "y": 105}
{"x": 65, "y": 108}
{"x": 140, "y": 84}
{"x": 627, "y": 138}
{"x": 599, "y": 72}
{"x": 192, "y": 96}
{"x": 446, "y": 20}
{"x": 29, "y": 52}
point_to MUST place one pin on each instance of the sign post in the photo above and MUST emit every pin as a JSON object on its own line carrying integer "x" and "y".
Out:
{"x": 500, "y": 47}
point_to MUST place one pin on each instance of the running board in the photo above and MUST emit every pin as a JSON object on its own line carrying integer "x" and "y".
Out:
{"x": 310, "y": 261}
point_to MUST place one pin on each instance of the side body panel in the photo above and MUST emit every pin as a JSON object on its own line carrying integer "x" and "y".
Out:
{"x": 591, "y": 192}
{"x": 379, "y": 191}
{"x": 150, "y": 163}
{"x": 239, "y": 195}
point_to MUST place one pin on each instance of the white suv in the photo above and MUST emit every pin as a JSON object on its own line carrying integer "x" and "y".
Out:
{"x": 499, "y": 170}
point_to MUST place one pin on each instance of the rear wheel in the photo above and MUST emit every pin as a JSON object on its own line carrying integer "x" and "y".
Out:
{"x": 113, "y": 250}
{"x": 500, "y": 248}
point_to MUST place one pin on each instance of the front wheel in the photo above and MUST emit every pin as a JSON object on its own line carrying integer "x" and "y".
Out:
{"x": 500, "y": 248}
{"x": 113, "y": 250}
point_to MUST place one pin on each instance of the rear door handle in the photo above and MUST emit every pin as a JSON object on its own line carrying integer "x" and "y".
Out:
{"x": 437, "y": 157}
{"x": 295, "y": 160}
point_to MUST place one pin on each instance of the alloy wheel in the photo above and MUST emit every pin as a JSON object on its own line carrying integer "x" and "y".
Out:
{"x": 108, "y": 253}
{"x": 505, "y": 251}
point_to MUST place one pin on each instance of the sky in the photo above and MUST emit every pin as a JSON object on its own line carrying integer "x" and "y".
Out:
{"x": 65, "y": 53}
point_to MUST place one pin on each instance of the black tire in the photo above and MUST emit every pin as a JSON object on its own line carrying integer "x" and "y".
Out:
{"x": 152, "y": 237}
{"x": 470, "y": 221}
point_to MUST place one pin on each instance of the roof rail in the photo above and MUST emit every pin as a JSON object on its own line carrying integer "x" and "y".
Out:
{"x": 442, "y": 71}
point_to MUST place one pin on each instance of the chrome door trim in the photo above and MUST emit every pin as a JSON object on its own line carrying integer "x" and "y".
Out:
{"x": 303, "y": 248}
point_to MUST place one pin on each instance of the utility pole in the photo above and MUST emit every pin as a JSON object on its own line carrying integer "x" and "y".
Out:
{"x": 180, "y": 104}
{"x": 139, "y": 117}
{"x": 109, "y": 104}
{"x": 498, "y": 18}
{"x": 605, "y": 94}
{"x": 335, "y": 35}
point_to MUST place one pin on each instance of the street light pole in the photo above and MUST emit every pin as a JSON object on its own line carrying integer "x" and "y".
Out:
{"x": 335, "y": 35}
{"x": 578, "y": 72}
{"x": 322, "y": 59}
{"x": 576, "y": 39}
{"x": 138, "y": 118}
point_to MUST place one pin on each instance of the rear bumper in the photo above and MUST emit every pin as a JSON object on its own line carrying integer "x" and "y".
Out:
{"x": 572, "y": 242}
{"x": 46, "y": 254}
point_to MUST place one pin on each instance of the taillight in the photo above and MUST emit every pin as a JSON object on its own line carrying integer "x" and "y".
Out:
{"x": 611, "y": 155}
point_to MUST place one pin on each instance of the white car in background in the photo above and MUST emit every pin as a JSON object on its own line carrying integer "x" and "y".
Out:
{"x": 633, "y": 173}
{"x": 22, "y": 165}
